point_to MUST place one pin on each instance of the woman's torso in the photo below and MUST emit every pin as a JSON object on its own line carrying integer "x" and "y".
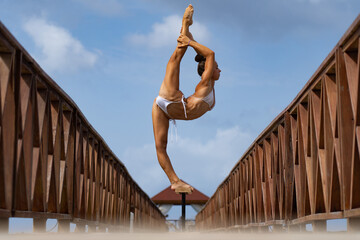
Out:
{"x": 195, "y": 104}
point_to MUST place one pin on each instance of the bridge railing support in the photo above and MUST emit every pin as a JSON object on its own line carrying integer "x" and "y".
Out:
{"x": 304, "y": 167}
{"x": 63, "y": 225}
{"x": 353, "y": 225}
{"x": 53, "y": 163}
{"x": 39, "y": 225}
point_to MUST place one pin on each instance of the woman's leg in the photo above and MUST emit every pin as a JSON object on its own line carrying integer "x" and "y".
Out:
{"x": 170, "y": 86}
{"x": 161, "y": 127}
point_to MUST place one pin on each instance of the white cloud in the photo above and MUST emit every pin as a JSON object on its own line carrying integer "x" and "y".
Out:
{"x": 203, "y": 164}
{"x": 167, "y": 32}
{"x": 59, "y": 50}
{"x": 107, "y": 7}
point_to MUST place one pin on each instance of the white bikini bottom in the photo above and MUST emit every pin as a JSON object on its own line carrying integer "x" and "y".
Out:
{"x": 163, "y": 103}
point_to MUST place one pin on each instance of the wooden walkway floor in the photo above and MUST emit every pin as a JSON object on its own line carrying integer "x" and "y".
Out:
{"x": 182, "y": 236}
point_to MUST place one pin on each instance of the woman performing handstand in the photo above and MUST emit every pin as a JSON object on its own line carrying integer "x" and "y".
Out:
{"x": 171, "y": 103}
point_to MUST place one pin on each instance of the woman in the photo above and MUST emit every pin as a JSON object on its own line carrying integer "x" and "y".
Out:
{"x": 171, "y": 103}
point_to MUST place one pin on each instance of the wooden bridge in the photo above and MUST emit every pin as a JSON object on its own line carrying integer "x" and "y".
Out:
{"x": 53, "y": 164}
{"x": 305, "y": 166}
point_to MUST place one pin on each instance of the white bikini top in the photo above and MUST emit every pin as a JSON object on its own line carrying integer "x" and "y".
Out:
{"x": 209, "y": 99}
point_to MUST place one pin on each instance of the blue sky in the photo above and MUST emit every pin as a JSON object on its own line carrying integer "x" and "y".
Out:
{"x": 110, "y": 57}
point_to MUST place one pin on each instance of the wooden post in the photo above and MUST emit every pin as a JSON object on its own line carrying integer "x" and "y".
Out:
{"x": 80, "y": 227}
{"x": 319, "y": 226}
{"x": 131, "y": 225}
{"x": 4, "y": 225}
{"x": 277, "y": 228}
{"x": 247, "y": 230}
{"x": 295, "y": 228}
{"x": 39, "y": 225}
{"x": 302, "y": 227}
{"x": 63, "y": 225}
{"x": 183, "y": 210}
{"x": 289, "y": 168}
{"x": 353, "y": 224}
{"x": 113, "y": 229}
{"x": 91, "y": 228}
{"x": 263, "y": 229}
{"x": 102, "y": 228}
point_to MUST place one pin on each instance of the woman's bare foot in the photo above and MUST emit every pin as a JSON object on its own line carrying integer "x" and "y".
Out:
{"x": 187, "y": 18}
{"x": 180, "y": 187}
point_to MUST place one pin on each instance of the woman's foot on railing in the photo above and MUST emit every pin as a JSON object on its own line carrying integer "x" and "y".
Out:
{"x": 181, "y": 187}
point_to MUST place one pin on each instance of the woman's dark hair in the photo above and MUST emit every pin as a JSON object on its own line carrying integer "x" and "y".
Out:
{"x": 201, "y": 63}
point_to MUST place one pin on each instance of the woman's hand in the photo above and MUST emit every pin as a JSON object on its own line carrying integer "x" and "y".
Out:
{"x": 183, "y": 41}
{"x": 189, "y": 35}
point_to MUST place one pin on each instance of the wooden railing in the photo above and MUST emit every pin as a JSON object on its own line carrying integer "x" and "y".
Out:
{"x": 305, "y": 166}
{"x": 53, "y": 164}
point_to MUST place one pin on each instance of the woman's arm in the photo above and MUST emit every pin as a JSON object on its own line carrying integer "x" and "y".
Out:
{"x": 201, "y": 49}
{"x": 192, "y": 39}
{"x": 204, "y": 51}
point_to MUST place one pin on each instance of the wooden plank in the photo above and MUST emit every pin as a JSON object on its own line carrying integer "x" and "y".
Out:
{"x": 289, "y": 169}
{"x": 7, "y": 127}
{"x": 317, "y": 217}
{"x": 345, "y": 126}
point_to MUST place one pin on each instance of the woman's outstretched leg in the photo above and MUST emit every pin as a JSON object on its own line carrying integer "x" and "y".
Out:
{"x": 170, "y": 86}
